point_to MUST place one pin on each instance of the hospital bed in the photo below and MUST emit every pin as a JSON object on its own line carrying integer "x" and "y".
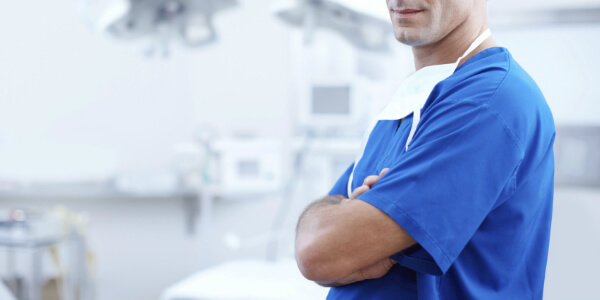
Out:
{"x": 246, "y": 279}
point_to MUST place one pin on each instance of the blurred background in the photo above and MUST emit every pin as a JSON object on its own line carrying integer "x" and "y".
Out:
{"x": 163, "y": 149}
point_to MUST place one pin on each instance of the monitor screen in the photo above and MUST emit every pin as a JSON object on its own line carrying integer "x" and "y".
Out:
{"x": 248, "y": 168}
{"x": 328, "y": 100}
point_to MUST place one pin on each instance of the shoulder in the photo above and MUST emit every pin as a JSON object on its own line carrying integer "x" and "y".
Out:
{"x": 478, "y": 78}
{"x": 493, "y": 80}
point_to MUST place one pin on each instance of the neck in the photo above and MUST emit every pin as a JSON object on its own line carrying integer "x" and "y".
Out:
{"x": 453, "y": 45}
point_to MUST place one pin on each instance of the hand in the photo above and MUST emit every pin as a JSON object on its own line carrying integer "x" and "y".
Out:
{"x": 374, "y": 271}
{"x": 367, "y": 184}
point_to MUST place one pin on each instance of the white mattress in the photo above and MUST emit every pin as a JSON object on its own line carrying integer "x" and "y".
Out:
{"x": 246, "y": 280}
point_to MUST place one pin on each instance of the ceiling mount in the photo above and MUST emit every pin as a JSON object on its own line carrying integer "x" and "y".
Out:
{"x": 363, "y": 30}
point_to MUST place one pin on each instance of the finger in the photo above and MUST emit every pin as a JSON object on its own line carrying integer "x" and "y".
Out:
{"x": 352, "y": 278}
{"x": 359, "y": 190}
{"x": 370, "y": 180}
{"x": 383, "y": 172}
{"x": 377, "y": 270}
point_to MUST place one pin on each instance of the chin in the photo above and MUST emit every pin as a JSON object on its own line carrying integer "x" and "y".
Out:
{"x": 412, "y": 43}
{"x": 408, "y": 39}
{"x": 412, "y": 37}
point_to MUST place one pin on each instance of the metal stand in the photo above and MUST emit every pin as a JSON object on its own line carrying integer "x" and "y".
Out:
{"x": 74, "y": 284}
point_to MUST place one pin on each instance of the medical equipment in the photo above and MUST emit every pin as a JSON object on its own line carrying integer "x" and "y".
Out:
{"x": 330, "y": 97}
{"x": 328, "y": 105}
{"x": 237, "y": 165}
{"x": 189, "y": 22}
{"x": 362, "y": 25}
{"x": 46, "y": 254}
{"x": 248, "y": 165}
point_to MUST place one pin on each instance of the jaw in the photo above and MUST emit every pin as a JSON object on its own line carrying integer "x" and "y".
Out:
{"x": 415, "y": 31}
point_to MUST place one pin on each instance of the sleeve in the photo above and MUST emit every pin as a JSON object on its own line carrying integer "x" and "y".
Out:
{"x": 462, "y": 160}
{"x": 341, "y": 186}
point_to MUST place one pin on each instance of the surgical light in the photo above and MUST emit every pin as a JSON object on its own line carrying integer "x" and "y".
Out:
{"x": 187, "y": 22}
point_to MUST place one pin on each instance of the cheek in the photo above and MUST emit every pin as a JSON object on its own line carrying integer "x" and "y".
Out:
{"x": 431, "y": 28}
{"x": 446, "y": 19}
{"x": 456, "y": 14}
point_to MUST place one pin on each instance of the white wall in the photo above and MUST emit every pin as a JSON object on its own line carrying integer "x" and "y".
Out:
{"x": 536, "y": 5}
{"x": 564, "y": 62}
{"x": 573, "y": 258}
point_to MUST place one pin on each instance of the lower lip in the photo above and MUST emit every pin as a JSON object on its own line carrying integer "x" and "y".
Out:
{"x": 398, "y": 14}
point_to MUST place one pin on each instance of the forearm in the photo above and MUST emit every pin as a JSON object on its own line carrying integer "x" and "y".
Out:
{"x": 337, "y": 238}
{"x": 340, "y": 241}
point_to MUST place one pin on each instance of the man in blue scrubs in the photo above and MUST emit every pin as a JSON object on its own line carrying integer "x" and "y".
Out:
{"x": 453, "y": 201}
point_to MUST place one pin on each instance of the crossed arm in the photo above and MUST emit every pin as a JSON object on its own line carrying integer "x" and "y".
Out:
{"x": 343, "y": 240}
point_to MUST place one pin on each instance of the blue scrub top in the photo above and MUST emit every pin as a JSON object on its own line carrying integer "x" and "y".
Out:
{"x": 474, "y": 189}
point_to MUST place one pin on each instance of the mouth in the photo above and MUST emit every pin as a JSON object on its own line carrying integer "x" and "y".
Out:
{"x": 405, "y": 13}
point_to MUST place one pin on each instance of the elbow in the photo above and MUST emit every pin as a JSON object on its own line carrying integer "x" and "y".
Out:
{"x": 308, "y": 264}
{"x": 315, "y": 264}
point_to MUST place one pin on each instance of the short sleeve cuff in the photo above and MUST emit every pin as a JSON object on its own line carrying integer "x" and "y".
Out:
{"x": 435, "y": 263}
